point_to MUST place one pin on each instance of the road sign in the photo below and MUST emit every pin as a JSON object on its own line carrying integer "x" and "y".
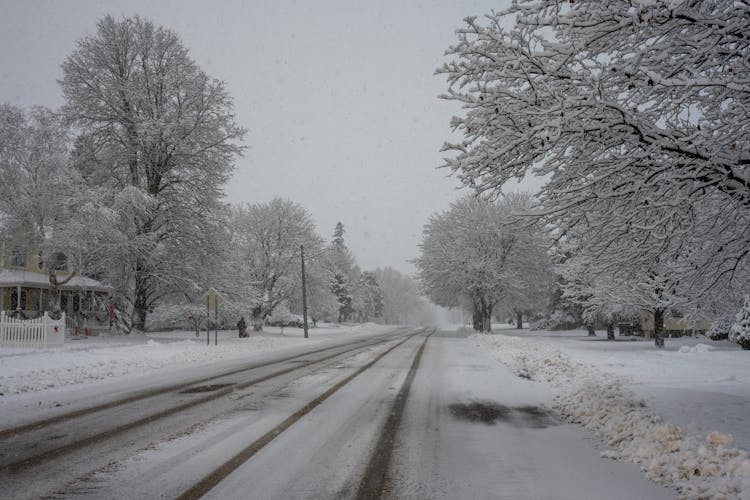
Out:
{"x": 212, "y": 299}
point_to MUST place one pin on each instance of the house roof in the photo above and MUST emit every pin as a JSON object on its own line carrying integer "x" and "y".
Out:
{"x": 18, "y": 277}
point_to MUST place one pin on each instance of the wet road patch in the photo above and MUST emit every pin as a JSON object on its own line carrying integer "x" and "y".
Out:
{"x": 536, "y": 417}
{"x": 485, "y": 412}
{"x": 491, "y": 412}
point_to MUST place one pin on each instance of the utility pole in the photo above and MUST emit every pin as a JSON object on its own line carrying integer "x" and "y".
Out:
{"x": 304, "y": 289}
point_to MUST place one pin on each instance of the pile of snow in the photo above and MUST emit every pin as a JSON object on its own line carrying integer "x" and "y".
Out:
{"x": 703, "y": 466}
{"x": 696, "y": 348}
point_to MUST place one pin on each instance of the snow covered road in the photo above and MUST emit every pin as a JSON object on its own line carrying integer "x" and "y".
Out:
{"x": 433, "y": 416}
{"x": 59, "y": 454}
{"x": 474, "y": 429}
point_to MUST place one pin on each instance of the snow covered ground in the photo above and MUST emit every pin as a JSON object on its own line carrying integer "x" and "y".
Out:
{"x": 681, "y": 412}
{"x": 94, "y": 359}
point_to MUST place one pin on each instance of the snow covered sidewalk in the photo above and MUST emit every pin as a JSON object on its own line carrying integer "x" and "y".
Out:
{"x": 608, "y": 387}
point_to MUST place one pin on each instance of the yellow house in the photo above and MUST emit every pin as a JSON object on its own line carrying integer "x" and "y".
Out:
{"x": 24, "y": 284}
{"x": 675, "y": 325}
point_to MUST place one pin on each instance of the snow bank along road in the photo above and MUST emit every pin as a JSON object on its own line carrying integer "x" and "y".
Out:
{"x": 408, "y": 414}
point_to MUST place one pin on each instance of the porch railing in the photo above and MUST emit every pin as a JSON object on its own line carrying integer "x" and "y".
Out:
{"x": 39, "y": 332}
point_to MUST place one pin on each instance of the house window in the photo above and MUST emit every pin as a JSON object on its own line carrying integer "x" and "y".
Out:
{"x": 18, "y": 256}
{"x": 59, "y": 262}
{"x": 14, "y": 303}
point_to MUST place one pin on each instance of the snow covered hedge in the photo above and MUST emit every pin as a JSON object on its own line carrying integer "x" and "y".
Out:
{"x": 187, "y": 316}
{"x": 558, "y": 320}
{"x": 697, "y": 466}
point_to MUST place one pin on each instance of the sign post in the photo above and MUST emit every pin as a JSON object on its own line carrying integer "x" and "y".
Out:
{"x": 304, "y": 290}
{"x": 212, "y": 299}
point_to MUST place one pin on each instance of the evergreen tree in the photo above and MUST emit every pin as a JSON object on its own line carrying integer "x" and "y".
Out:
{"x": 340, "y": 288}
{"x": 338, "y": 236}
{"x": 343, "y": 273}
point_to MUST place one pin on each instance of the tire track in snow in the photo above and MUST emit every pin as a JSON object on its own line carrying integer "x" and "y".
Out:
{"x": 40, "y": 424}
{"x": 51, "y": 454}
{"x": 375, "y": 479}
{"x": 217, "y": 475}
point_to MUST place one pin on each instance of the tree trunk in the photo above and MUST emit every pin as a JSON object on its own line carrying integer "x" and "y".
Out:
{"x": 257, "y": 318}
{"x": 138, "y": 317}
{"x": 488, "y": 319}
{"x": 659, "y": 327}
{"x": 140, "y": 301}
{"x": 590, "y": 328}
{"x": 610, "y": 331}
{"x": 476, "y": 318}
{"x": 138, "y": 321}
{"x": 519, "y": 320}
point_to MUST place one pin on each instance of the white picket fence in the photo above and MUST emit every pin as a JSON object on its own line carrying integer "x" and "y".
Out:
{"x": 39, "y": 332}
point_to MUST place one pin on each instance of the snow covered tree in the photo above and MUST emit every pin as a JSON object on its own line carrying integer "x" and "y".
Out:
{"x": 340, "y": 289}
{"x": 268, "y": 238}
{"x": 613, "y": 282}
{"x": 322, "y": 305}
{"x": 634, "y": 113}
{"x": 371, "y": 297}
{"x": 43, "y": 203}
{"x": 401, "y": 304}
{"x": 158, "y": 141}
{"x": 479, "y": 250}
{"x": 338, "y": 237}
{"x": 740, "y": 332}
{"x": 530, "y": 276}
{"x": 282, "y": 316}
{"x": 343, "y": 273}
{"x": 339, "y": 255}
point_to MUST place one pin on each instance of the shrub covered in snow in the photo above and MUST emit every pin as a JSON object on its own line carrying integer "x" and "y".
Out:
{"x": 187, "y": 316}
{"x": 719, "y": 330}
{"x": 282, "y": 316}
{"x": 741, "y": 329}
{"x": 558, "y": 320}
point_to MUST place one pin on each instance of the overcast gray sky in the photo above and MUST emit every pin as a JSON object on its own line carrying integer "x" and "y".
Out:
{"x": 339, "y": 98}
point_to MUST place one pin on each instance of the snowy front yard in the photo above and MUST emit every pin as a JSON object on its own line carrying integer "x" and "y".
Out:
{"x": 679, "y": 412}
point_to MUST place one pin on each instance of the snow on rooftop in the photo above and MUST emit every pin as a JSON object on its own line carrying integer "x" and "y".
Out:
{"x": 16, "y": 277}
